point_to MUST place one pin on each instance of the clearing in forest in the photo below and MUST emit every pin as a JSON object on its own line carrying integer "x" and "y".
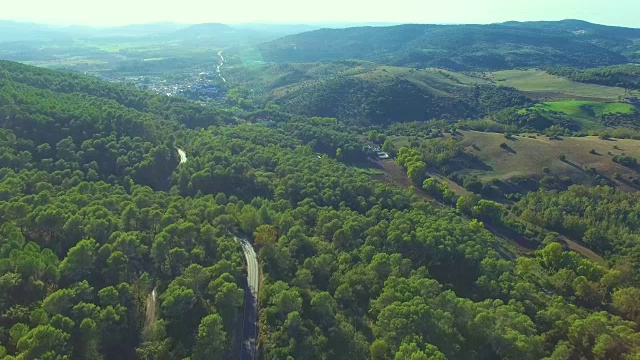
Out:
{"x": 536, "y": 157}
{"x": 540, "y": 84}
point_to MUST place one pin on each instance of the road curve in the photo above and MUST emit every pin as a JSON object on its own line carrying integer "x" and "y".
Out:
{"x": 183, "y": 156}
{"x": 151, "y": 314}
{"x": 250, "y": 322}
{"x": 219, "y": 65}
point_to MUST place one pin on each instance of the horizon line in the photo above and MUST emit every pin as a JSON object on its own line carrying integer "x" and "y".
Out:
{"x": 291, "y": 23}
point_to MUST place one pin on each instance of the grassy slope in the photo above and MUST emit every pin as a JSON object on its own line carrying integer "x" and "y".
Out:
{"x": 540, "y": 84}
{"x": 588, "y": 108}
{"x": 286, "y": 78}
{"x": 533, "y": 155}
{"x": 585, "y": 112}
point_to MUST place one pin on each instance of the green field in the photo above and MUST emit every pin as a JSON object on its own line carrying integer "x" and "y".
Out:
{"x": 587, "y": 108}
{"x": 540, "y": 84}
{"x": 586, "y": 112}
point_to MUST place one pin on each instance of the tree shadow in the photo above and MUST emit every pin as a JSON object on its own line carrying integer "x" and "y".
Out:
{"x": 507, "y": 233}
{"x": 629, "y": 183}
{"x": 508, "y": 149}
{"x": 467, "y": 161}
{"x": 572, "y": 164}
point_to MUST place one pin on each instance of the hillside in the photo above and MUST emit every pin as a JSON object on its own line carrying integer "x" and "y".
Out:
{"x": 464, "y": 47}
{"x": 538, "y": 84}
{"x": 367, "y": 93}
{"x": 528, "y": 158}
{"x": 627, "y": 75}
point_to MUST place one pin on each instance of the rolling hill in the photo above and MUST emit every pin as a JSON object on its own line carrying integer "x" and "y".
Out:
{"x": 365, "y": 93}
{"x": 538, "y": 84}
{"x": 534, "y": 158}
{"x": 465, "y": 47}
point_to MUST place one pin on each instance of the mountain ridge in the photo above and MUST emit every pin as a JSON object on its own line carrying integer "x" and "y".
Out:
{"x": 464, "y": 47}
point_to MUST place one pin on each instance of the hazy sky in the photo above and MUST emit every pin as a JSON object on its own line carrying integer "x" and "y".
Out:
{"x": 119, "y": 12}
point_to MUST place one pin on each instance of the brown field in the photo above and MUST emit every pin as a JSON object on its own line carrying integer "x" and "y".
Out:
{"x": 527, "y": 157}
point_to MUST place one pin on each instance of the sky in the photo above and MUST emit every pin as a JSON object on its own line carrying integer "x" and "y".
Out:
{"x": 122, "y": 12}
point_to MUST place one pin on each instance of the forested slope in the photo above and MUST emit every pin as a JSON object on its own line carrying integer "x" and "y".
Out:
{"x": 351, "y": 268}
{"x": 626, "y": 76}
{"x": 464, "y": 47}
{"x": 367, "y": 93}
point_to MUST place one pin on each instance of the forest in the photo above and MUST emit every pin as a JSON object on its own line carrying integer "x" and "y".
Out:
{"x": 98, "y": 215}
{"x": 625, "y": 76}
{"x": 464, "y": 47}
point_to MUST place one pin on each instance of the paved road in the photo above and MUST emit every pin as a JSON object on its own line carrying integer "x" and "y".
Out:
{"x": 219, "y": 65}
{"x": 250, "y": 323}
{"x": 183, "y": 156}
{"x": 151, "y": 315}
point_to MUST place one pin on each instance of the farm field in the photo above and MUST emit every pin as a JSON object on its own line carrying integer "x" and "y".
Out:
{"x": 587, "y": 108}
{"x": 586, "y": 112}
{"x": 529, "y": 157}
{"x": 539, "y": 84}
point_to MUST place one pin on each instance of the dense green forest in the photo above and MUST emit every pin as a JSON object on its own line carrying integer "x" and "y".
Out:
{"x": 465, "y": 47}
{"x": 605, "y": 218}
{"x": 97, "y": 215}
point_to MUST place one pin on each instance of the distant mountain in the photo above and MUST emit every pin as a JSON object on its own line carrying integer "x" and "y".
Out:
{"x": 24, "y": 31}
{"x": 14, "y": 31}
{"x": 222, "y": 35}
{"x": 17, "y": 37}
{"x": 207, "y": 29}
{"x": 285, "y": 29}
{"x": 138, "y": 29}
{"x": 465, "y": 47}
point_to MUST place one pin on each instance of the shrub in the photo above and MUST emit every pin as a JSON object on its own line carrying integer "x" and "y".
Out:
{"x": 625, "y": 160}
{"x": 472, "y": 183}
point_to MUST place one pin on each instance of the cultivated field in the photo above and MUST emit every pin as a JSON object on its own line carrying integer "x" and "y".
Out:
{"x": 540, "y": 84}
{"x": 586, "y": 112}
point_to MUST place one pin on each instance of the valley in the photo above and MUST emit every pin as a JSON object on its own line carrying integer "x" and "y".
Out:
{"x": 278, "y": 191}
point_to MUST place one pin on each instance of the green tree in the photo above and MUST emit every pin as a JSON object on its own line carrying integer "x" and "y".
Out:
{"x": 626, "y": 303}
{"x": 44, "y": 342}
{"x": 417, "y": 171}
{"x": 80, "y": 261}
{"x": 265, "y": 235}
{"x": 211, "y": 340}
{"x": 389, "y": 147}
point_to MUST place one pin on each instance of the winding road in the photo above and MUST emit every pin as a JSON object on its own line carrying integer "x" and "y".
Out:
{"x": 151, "y": 313}
{"x": 219, "y": 65}
{"x": 248, "y": 349}
{"x": 183, "y": 156}
{"x": 250, "y": 322}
